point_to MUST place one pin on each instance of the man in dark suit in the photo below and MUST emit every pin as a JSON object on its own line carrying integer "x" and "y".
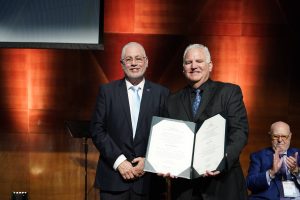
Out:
{"x": 216, "y": 98}
{"x": 272, "y": 167}
{"x": 120, "y": 128}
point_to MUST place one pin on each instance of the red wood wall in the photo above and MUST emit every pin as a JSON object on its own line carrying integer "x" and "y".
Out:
{"x": 253, "y": 43}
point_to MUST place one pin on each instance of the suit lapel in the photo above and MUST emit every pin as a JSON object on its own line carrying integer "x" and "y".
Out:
{"x": 268, "y": 155}
{"x": 206, "y": 97}
{"x": 207, "y": 94}
{"x": 125, "y": 102}
{"x": 290, "y": 152}
{"x": 186, "y": 103}
{"x": 145, "y": 103}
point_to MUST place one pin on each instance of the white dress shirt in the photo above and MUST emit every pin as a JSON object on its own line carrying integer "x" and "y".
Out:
{"x": 122, "y": 158}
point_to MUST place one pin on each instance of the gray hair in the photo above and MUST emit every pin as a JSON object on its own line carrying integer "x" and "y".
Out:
{"x": 132, "y": 44}
{"x": 198, "y": 46}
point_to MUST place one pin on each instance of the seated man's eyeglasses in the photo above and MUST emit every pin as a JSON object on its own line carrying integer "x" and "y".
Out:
{"x": 129, "y": 60}
{"x": 276, "y": 137}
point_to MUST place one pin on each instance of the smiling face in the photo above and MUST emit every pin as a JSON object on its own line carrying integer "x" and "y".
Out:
{"x": 196, "y": 67}
{"x": 280, "y": 136}
{"x": 134, "y": 62}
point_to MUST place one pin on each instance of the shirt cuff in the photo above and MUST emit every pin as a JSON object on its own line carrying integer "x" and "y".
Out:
{"x": 268, "y": 177}
{"x": 119, "y": 160}
{"x": 298, "y": 178}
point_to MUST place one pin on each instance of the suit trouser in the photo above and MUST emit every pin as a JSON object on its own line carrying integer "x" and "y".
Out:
{"x": 205, "y": 189}
{"x": 124, "y": 195}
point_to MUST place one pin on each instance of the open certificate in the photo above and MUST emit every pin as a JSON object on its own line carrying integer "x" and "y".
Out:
{"x": 183, "y": 149}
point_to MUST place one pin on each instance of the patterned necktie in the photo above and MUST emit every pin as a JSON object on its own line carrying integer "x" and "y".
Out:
{"x": 196, "y": 102}
{"x": 135, "y": 107}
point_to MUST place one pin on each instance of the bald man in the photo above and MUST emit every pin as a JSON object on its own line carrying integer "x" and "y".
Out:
{"x": 120, "y": 129}
{"x": 274, "y": 171}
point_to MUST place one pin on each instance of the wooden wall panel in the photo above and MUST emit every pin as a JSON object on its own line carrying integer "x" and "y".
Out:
{"x": 13, "y": 121}
{"x": 119, "y": 16}
{"x": 216, "y": 29}
{"x": 14, "y": 157}
{"x": 253, "y": 44}
{"x": 52, "y": 167}
{"x": 160, "y": 16}
{"x": 226, "y": 65}
{"x": 13, "y": 82}
{"x": 262, "y": 12}
{"x": 54, "y": 76}
{"x": 265, "y": 87}
{"x": 220, "y": 11}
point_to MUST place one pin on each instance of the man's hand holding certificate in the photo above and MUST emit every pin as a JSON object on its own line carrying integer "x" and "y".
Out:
{"x": 183, "y": 149}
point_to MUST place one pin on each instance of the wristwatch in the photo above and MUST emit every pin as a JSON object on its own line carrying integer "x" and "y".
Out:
{"x": 296, "y": 171}
{"x": 270, "y": 175}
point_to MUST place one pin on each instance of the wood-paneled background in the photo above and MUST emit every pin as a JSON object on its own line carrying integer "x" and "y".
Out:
{"x": 253, "y": 43}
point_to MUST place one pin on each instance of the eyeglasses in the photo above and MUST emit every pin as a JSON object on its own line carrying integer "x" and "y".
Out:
{"x": 283, "y": 137}
{"x": 137, "y": 59}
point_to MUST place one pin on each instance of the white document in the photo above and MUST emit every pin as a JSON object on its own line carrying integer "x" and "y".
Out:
{"x": 290, "y": 189}
{"x": 175, "y": 148}
{"x": 209, "y": 145}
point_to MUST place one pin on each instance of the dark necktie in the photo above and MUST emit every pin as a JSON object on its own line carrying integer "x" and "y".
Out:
{"x": 196, "y": 102}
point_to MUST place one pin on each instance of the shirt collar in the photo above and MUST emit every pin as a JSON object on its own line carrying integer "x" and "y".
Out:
{"x": 202, "y": 87}
{"x": 284, "y": 153}
{"x": 140, "y": 85}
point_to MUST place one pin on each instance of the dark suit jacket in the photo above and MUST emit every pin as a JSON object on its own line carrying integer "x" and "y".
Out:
{"x": 112, "y": 132}
{"x": 227, "y": 99}
{"x": 260, "y": 162}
